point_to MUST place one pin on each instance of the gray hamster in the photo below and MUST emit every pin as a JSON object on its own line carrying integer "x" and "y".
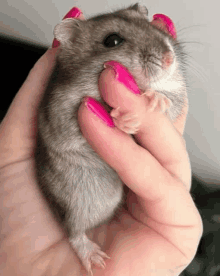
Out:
{"x": 82, "y": 190}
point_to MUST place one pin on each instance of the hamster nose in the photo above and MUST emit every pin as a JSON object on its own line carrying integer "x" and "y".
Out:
{"x": 167, "y": 59}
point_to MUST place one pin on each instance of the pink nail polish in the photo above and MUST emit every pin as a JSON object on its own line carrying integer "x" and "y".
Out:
{"x": 55, "y": 43}
{"x": 73, "y": 13}
{"x": 99, "y": 111}
{"x": 123, "y": 75}
{"x": 168, "y": 23}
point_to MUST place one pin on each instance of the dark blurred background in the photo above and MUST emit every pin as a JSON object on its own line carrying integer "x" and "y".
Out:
{"x": 17, "y": 59}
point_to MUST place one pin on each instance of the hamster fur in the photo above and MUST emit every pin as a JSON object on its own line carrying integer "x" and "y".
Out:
{"x": 82, "y": 190}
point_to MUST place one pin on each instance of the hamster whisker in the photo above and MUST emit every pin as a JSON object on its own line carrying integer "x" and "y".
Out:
{"x": 190, "y": 27}
{"x": 190, "y": 42}
{"x": 155, "y": 63}
{"x": 194, "y": 67}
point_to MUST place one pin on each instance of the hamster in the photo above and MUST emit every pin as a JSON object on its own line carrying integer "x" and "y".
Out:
{"x": 82, "y": 190}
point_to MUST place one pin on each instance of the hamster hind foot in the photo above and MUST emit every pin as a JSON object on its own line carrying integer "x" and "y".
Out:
{"x": 88, "y": 252}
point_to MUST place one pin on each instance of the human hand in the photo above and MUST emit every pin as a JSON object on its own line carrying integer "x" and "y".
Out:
{"x": 159, "y": 229}
{"x": 146, "y": 238}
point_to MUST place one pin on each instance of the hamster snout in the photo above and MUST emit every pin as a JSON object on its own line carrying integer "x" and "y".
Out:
{"x": 167, "y": 60}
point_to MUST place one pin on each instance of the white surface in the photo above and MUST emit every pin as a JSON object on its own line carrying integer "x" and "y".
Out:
{"x": 34, "y": 21}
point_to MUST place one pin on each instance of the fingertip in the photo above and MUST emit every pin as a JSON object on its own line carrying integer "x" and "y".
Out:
{"x": 113, "y": 92}
{"x": 73, "y": 13}
{"x": 90, "y": 124}
{"x": 82, "y": 17}
{"x": 106, "y": 76}
{"x": 55, "y": 43}
{"x": 106, "y": 86}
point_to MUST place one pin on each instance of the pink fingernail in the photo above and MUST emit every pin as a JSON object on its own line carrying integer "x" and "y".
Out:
{"x": 73, "y": 13}
{"x": 168, "y": 22}
{"x": 123, "y": 75}
{"x": 55, "y": 43}
{"x": 98, "y": 110}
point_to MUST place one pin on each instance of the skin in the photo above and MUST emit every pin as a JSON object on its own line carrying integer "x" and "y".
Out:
{"x": 158, "y": 230}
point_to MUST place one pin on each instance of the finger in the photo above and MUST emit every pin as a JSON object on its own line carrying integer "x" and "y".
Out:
{"x": 156, "y": 132}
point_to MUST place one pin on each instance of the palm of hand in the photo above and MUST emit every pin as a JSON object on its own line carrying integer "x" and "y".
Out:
{"x": 29, "y": 228}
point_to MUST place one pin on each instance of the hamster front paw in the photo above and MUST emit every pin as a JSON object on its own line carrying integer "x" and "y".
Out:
{"x": 127, "y": 122}
{"x": 88, "y": 252}
{"x": 157, "y": 101}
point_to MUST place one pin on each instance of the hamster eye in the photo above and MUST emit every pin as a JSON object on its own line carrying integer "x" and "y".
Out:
{"x": 113, "y": 40}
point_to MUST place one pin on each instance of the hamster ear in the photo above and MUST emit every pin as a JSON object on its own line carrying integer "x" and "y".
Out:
{"x": 65, "y": 30}
{"x": 142, "y": 10}
{"x": 165, "y": 24}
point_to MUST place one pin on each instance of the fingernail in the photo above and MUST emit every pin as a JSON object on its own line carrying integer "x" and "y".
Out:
{"x": 55, "y": 43}
{"x": 168, "y": 22}
{"x": 73, "y": 13}
{"x": 96, "y": 108}
{"x": 123, "y": 75}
